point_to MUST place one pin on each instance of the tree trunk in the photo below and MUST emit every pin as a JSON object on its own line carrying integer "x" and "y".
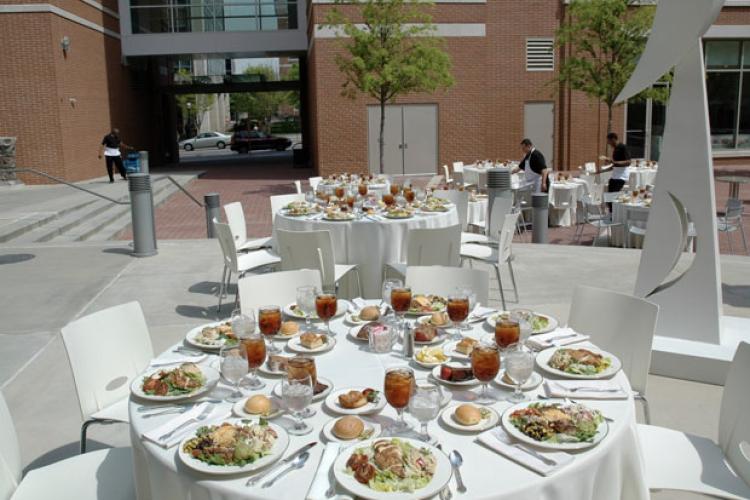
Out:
{"x": 381, "y": 140}
{"x": 609, "y": 118}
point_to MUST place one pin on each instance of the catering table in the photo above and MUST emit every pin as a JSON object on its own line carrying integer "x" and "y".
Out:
{"x": 477, "y": 212}
{"x": 642, "y": 176}
{"x": 611, "y": 470}
{"x": 562, "y": 200}
{"x": 368, "y": 243}
{"x": 620, "y": 214}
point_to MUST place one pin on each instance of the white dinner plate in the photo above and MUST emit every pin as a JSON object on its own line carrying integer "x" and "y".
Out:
{"x": 369, "y": 426}
{"x": 239, "y": 409}
{"x": 190, "y": 337}
{"x": 211, "y": 375}
{"x": 425, "y": 313}
{"x": 428, "y": 365}
{"x": 341, "y": 308}
{"x": 542, "y": 360}
{"x": 551, "y": 322}
{"x": 450, "y": 350}
{"x": 278, "y": 449}
{"x": 428, "y": 319}
{"x": 466, "y": 383}
{"x": 277, "y": 389}
{"x": 534, "y": 381}
{"x": 266, "y": 370}
{"x": 439, "y": 338}
{"x": 511, "y": 429}
{"x": 488, "y": 422}
{"x": 296, "y": 345}
{"x": 443, "y": 473}
{"x": 348, "y": 218}
{"x": 353, "y": 331}
{"x": 332, "y": 402}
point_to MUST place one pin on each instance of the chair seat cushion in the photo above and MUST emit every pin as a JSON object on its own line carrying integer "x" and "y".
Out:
{"x": 637, "y": 230}
{"x": 475, "y": 238}
{"x": 97, "y": 475}
{"x": 256, "y": 243}
{"x": 679, "y": 461}
{"x": 258, "y": 258}
{"x": 480, "y": 252}
{"x": 117, "y": 411}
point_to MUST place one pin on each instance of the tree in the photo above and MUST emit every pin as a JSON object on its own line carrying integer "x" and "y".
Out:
{"x": 394, "y": 54}
{"x": 605, "y": 38}
{"x": 260, "y": 106}
{"x": 193, "y": 106}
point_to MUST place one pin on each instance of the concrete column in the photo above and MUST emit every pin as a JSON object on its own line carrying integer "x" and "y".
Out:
{"x": 539, "y": 217}
{"x": 142, "y": 214}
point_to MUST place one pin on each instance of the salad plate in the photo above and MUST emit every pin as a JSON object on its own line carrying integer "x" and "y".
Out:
{"x": 490, "y": 418}
{"x": 542, "y": 323}
{"x": 464, "y": 383}
{"x": 293, "y": 311}
{"x": 578, "y": 363}
{"x": 332, "y": 402}
{"x": 422, "y": 305}
{"x": 534, "y": 381}
{"x": 250, "y": 437}
{"x": 371, "y": 431}
{"x": 417, "y": 482}
{"x": 536, "y": 423}
{"x": 450, "y": 350}
{"x": 179, "y": 382}
{"x": 211, "y": 336}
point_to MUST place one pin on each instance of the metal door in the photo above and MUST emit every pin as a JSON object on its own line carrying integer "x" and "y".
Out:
{"x": 539, "y": 126}
{"x": 393, "y": 136}
{"x": 420, "y": 138}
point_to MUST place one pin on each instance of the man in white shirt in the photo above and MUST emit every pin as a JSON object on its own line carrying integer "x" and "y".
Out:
{"x": 110, "y": 147}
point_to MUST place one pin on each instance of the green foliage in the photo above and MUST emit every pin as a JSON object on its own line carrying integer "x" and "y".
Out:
{"x": 262, "y": 106}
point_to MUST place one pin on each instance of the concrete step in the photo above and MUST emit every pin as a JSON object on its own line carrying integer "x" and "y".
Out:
{"x": 16, "y": 229}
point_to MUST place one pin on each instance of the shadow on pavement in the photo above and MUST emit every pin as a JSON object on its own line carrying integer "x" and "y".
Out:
{"x": 15, "y": 258}
{"x": 736, "y": 295}
{"x": 119, "y": 251}
{"x": 205, "y": 287}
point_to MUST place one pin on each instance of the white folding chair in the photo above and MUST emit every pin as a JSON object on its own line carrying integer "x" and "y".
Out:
{"x": 106, "y": 350}
{"x": 313, "y": 250}
{"x": 500, "y": 208}
{"x": 497, "y": 256}
{"x": 595, "y": 215}
{"x": 731, "y": 221}
{"x": 680, "y": 461}
{"x": 279, "y": 201}
{"x": 236, "y": 219}
{"x": 435, "y": 181}
{"x": 447, "y": 174}
{"x": 278, "y": 288}
{"x": 458, "y": 198}
{"x": 636, "y": 219}
{"x": 98, "y": 475}
{"x": 471, "y": 177}
{"x": 314, "y": 181}
{"x": 627, "y": 331}
{"x": 458, "y": 166}
{"x": 441, "y": 280}
{"x": 429, "y": 247}
{"x": 238, "y": 263}
{"x": 298, "y": 186}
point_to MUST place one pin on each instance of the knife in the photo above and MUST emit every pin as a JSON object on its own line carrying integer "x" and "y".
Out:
{"x": 255, "y": 479}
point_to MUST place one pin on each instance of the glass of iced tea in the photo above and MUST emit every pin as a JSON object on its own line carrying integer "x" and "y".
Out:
{"x": 350, "y": 201}
{"x": 409, "y": 195}
{"x": 485, "y": 363}
{"x": 395, "y": 189}
{"x": 507, "y": 332}
{"x": 269, "y": 322}
{"x": 255, "y": 347}
{"x": 362, "y": 189}
{"x": 339, "y": 192}
{"x": 458, "y": 310}
{"x": 326, "y": 306}
{"x": 400, "y": 301}
{"x": 398, "y": 388}
{"x": 389, "y": 199}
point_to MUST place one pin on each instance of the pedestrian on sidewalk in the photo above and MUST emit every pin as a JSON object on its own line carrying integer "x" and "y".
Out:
{"x": 110, "y": 147}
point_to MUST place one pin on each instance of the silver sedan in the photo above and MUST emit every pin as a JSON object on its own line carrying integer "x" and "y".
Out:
{"x": 206, "y": 140}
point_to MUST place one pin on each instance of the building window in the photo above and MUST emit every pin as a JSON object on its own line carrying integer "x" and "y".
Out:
{"x": 540, "y": 54}
{"x": 644, "y": 127}
{"x": 728, "y": 88}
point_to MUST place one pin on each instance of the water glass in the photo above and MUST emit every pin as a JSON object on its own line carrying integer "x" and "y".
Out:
{"x": 297, "y": 394}
{"x": 243, "y": 323}
{"x": 524, "y": 318}
{"x": 425, "y": 406}
{"x": 234, "y": 367}
{"x": 519, "y": 365}
{"x": 306, "y": 302}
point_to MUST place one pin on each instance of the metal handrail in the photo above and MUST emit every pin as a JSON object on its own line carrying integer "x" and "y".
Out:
{"x": 61, "y": 181}
{"x": 169, "y": 177}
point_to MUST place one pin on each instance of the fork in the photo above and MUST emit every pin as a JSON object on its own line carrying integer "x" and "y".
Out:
{"x": 203, "y": 416}
{"x": 593, "y": 389}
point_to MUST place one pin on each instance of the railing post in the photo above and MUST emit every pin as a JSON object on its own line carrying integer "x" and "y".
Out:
{"x": 142, "y": 214}
{"x": 212, "y": 204}
{"x": 539, "y": 217}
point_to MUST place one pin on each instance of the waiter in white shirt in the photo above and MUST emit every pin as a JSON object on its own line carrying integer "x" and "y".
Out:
{"x": 534, "y": 166}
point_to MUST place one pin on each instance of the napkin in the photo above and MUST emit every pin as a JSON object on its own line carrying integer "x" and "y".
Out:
{"x": 587, "y": 389}
{"x": 321, "y": 481}
{"x": 154, "y": 434}
{"x": 175, "y": 358}
{"x": 497, "y": 440}
{"x": 555, "y": 338}
{"x": 359, "y": 303}
{"x": 480, "y": 313}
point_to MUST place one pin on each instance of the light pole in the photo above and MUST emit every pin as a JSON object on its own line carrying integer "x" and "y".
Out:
{"x": 189, "y": 106}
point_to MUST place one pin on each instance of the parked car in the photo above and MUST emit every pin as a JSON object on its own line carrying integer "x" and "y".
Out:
{"x": 206, "y": 140}
{"x": 244, "y": 141}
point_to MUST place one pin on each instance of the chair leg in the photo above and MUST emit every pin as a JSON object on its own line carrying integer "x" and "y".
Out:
{"x": 744, "y": 241}
{"x": 359, "y": 281}
{"x": 646, "y": 410}
{"x": 85, "y": 427}
{"x": 729, "y": 237}
{"x": 221, "y": 290}
{"x": 513, "y": 280}
{"x": 500, "y": 285}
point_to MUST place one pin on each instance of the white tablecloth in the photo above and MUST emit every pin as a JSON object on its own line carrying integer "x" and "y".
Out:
{"x": 613, "y": 470}
{"x": 642, "y": 176}
{"x": 620, "y": 214}
{"x": 562, "y": 201}
{"x": 367, "y": 243}
{"x": 477, "y": 213}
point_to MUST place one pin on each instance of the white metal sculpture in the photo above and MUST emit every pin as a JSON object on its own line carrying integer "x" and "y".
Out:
{"x": 684, "y": 187}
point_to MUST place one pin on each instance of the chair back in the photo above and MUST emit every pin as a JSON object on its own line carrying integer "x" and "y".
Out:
{"x": 734, "y": 210}
{"x": 10, "y": 453}
{"x": 458, "y": 198}
{"x": 434, "y": 247}
{"x": 637, "y": 214}
{"x": 458, "y": 178}
{"x": 279, "y": 201}
{"x": 236, "y": 220}
{"x": 298, "y": 186}
{"x": 505, "y": 240}
{"x": 314, "y": 181}
{"x": 278, "y": 288}
{"x": 522, "y": 196}
{"x": 500, "y": 208}
{"x": 228, "y": 247}
{"x": 590, "y": 167}
{"x": 618, "y": 323}
{"x": 435, "y": 180}
{"x": 106, "y": 350}
{"x": 471, "y": 177}
{"x": 440, "y": 280}
{"x": 734, "y": 431}
{"x": 308, "y": 250}
{"x": 458, "y": 166}
{"x": 446, "y": 172}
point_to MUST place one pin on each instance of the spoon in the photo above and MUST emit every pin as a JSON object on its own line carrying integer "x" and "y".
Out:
{"x": 456, "y": 461}
{"x": 297, "y": 463}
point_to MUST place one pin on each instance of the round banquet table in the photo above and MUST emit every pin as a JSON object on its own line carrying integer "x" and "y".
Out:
{"x": 368, "y": 243}
{"x": 620, "y": 215}
{"x": 379, "y": 188}
{"x": 477, "y": 212}
{"x": 562, "y": 200}
{"x": 611, "y": 470}
{"x": 642, "y": 176}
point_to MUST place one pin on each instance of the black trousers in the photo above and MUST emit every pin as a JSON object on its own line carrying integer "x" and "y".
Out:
{"x": 116, "y": 160}
{"x": 614, "y": 186}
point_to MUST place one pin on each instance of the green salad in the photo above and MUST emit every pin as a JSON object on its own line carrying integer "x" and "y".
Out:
{"x": 392, "y": 465}
{"x": 231, "y": 444}
{"x": 557, "y": 423}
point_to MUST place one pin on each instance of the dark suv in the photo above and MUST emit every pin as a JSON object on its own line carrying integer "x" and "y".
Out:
{"x": 244, "y": 141}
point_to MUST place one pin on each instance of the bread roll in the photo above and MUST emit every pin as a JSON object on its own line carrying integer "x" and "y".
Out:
{"x": 258, "y": 405}
{"x": 467, "y": 414}
{"x": 369, "y": 313}
{"x": 348, "y": 427}
{"x": 289, "y": 328}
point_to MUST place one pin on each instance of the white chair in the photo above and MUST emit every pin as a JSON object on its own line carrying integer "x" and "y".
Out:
{"x": 458, "y": 166}
{"x": 621, "y": 324}
{"x": 443, "y": 281}
{"x": 447, "y": 174}
{"x": 595, "y": 215}
{"x": 458, "y": 198}
{"x": 636, "y": 219}
{"x": 298, "y": 186}
{"x": 314, "y": 181}
{"x": 680, "y": 461}
{"x": 429, "y": 247}
{"x": 435, "y": 181}
{"x": 279, "y": 201}
{"x": 471, "y": 177}
{"x": 731, "y": 221}
{"x": 238, "y": 263}
{"x": 497, "y": 256}
{"x": 522, "y": 204}
{"x": 236, "y": 219}
{"x": 98, "y": 475}
{"x": 106, "y": 351}
{"x": 278, "y": 288}
{"x": 313, "y": 250}
{"x": 500, "y": 208}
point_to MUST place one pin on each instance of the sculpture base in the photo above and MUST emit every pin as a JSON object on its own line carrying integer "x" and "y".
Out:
{"x": 700, "y": 361}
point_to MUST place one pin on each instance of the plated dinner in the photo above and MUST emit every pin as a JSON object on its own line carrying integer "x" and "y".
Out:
{"x": 578, "y": 363}
{"x": 540, "y": 323}
{"x": 364, "y": 315}
{"x": 212, "y": 336}
{"x": 355, "y": 401}
{"x": 455, "y": 374}
{"x": 185, "y": 381}
{"x": 294, "y": 311}
{"x": 426, "y": 304}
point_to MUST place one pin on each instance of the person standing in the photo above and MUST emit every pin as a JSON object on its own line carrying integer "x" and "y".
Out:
{"x": 534, "y": 166}
{"x": 110, "y": 147}
{"x": 619, "y": 164}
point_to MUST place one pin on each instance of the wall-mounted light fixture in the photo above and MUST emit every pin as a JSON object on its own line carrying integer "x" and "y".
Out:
{"x": 65, "y": 45}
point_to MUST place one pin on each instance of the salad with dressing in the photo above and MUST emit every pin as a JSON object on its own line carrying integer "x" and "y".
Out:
{"x": 392, "y": 465}
{"x": 557, "y": 423}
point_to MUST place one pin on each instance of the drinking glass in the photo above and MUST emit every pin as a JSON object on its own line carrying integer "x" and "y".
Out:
{"x": 400, "y": 301}
{"x": 339, "y": 192}
{"x": 524, "y": 317}
{"x": 310, "y": 197}
{"x": 362, "y": 189}
{"x": 507, "y": 332}
{"x": 243, "y": 323}
{"x": 326, "y": 306}
{"x": 388, "y": 285}
{"x": 234, "y": 367}
{"x": 485, "y": 363}
{"x": 297, "y": 395}
{"x": 458, "y": 310}
{"x": 519, "y": 365}
{"x": 301, "y": 367}
{"x": 306, "y": 302}
{"x": 389, "y": 199}
{"x": 269, "y": 322}
{"x": 409, "y": 195}
{"x": 395, "y": 189}
{"x": 467, "y": 290}
{"x": 255, "y": 350}
{"x": 425, "y": 405}
{"x": 398, "y": 388}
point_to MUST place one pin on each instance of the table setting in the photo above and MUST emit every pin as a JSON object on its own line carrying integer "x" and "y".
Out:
{"x": 639, "y": 198}
{"x": 548, "y": 414}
